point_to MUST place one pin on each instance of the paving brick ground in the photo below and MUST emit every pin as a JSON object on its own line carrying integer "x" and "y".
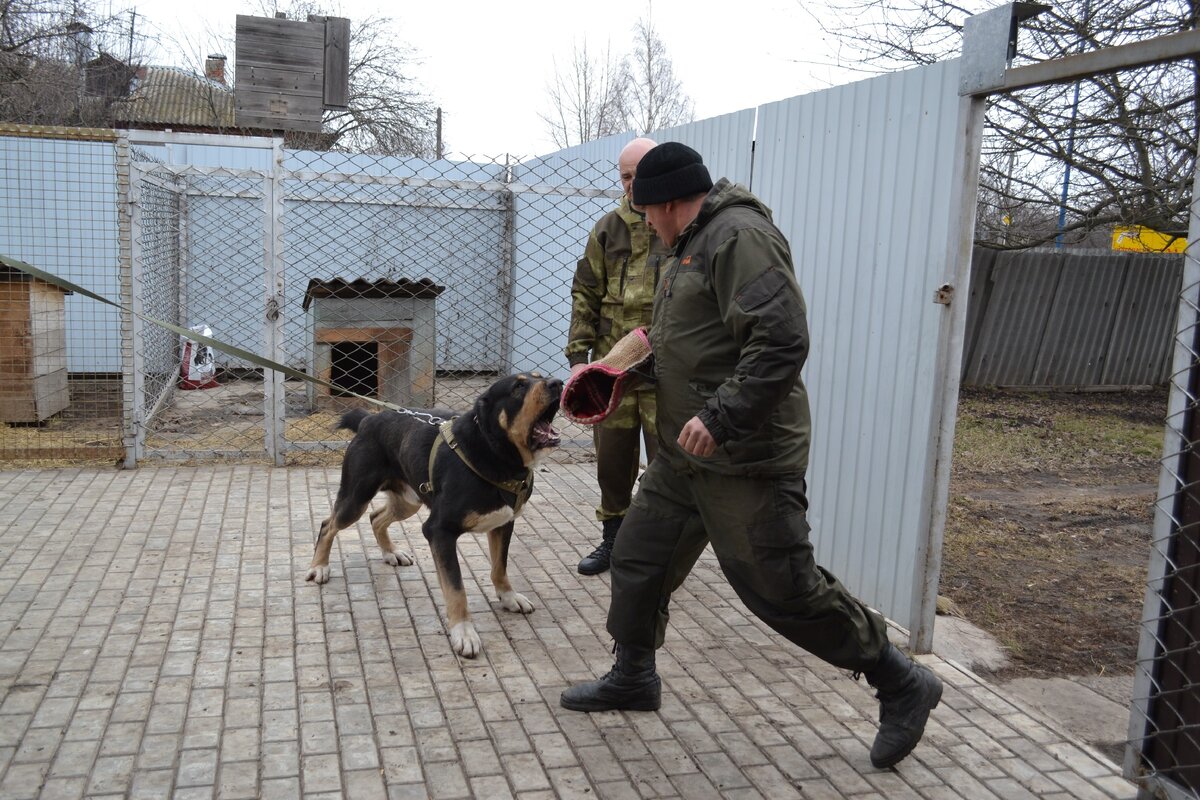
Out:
{"x": 157, "y": 639}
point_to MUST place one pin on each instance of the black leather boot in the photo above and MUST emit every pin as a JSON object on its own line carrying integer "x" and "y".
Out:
{"x": 597, "y": 561}
{"x": 632, "y": 685}
{"x": 907, "y": 692}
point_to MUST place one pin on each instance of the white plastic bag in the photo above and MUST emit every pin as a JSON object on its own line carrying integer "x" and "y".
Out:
{"x": 199, "y": 367}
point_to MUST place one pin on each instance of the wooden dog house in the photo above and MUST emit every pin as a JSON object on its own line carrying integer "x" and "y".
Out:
{"x": 33, "y": 348}
{"x": 373, "y": 338}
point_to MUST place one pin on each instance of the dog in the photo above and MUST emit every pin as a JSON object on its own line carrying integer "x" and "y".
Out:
{"x": 473, "y": 472}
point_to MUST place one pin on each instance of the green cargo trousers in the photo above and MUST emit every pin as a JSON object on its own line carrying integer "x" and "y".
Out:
{"x": 758, "y": 530}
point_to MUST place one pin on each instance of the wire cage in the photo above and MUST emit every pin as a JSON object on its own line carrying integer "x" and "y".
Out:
{"x": 61, "y": 353}
{"x": 224, "y": 235}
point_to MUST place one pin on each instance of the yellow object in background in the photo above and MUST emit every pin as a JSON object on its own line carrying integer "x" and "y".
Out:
{"x": 1140, "y": 239}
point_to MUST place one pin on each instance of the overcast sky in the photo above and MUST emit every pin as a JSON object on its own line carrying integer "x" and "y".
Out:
{"x": 487, "y": 64}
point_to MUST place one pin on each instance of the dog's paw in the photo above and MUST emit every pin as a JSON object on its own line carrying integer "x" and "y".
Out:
{"x": 515, "y": 602}
{"x": 465, "y": 640}
{"x": 398, "y": 558}
{"x": 318, "y": 574}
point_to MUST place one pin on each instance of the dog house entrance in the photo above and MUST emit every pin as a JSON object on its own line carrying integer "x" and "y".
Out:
{"x": 354, "y": 368}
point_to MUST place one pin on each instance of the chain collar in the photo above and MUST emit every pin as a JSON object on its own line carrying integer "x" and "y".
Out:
{"x": 422, "y": 416}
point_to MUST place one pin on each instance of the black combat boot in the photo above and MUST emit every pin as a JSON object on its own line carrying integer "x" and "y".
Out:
{"x": 597, "y": 561}
{"x": 907, "y": 692}
{"x": 632, "y": 684}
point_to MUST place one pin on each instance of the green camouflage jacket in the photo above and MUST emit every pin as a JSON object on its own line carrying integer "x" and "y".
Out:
{"x": 730, "y": 335}
{"x": 613, "y": 289}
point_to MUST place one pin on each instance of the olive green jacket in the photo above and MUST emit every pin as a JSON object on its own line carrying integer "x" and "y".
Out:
{"x": 730, "y": 335}
{"x": 613, "y": 289}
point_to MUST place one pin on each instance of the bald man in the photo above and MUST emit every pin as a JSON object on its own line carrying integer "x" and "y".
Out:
{"x": 613, "y": 293}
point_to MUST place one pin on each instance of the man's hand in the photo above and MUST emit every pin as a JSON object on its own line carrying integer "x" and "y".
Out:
{"x": 575, "y": 370}
{"x": 696, "y": 440}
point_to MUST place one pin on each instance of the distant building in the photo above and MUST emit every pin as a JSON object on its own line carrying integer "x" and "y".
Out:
{"x": 171, "y": 97}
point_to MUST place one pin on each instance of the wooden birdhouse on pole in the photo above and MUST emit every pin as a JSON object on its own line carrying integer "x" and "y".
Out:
{"x": 289, "y": 72}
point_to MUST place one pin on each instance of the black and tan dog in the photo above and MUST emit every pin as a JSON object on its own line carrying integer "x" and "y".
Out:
{"x": 473, "y": 473}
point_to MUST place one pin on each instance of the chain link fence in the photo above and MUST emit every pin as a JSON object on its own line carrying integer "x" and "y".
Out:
{"x": 399, "y": 284}
{"x": 202, "y": 267}
{"x": 157, "y": 220}
{"x": 408, "y": 281}
{"x": 1165, "y": 724}
{"x": 61, "y": 389}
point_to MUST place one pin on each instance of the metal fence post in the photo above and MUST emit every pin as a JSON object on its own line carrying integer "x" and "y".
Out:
{"x": 507, "y": 276}
{"x": 274, "y": 397}
{"x": 129, "y": 233}
{"x": 948, "y": 371}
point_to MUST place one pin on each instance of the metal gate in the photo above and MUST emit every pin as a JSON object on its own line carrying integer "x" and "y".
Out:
{"x": 200, "y": 254}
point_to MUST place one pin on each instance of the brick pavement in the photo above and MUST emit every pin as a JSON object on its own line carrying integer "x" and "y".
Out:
{"x": 157, "y": 639}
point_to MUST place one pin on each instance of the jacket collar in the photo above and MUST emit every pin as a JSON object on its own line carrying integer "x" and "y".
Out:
{"x": 627, "y": 212}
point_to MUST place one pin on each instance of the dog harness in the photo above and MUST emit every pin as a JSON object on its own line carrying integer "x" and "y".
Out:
{"x": 520, "y": 487}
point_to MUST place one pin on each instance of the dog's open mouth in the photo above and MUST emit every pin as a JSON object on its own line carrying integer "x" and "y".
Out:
{"x": 543, "y": 435}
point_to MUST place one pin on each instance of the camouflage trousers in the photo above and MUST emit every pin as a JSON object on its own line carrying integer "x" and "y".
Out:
{"x": 759, "y": 531}
{"x": 618, "y": 441}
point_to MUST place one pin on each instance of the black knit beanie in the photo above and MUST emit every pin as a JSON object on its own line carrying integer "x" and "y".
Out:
{"x": 668, "y": 172}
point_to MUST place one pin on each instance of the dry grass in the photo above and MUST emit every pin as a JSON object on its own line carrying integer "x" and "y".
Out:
{"x": 1048, "y": 531}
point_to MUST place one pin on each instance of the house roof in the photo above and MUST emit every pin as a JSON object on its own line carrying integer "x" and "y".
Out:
{"x": 171, "y": 96}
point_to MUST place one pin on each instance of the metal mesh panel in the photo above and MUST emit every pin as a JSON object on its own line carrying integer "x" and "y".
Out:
{"x": 411, "y": 282}
{"x": 61, "y": 394}
{"x": 397, "y": 282}
{"x": 418, "y": 282}
{"x": 158, "y": 235}
{"x": 1165, "y": 726}
{"x": 199, "y": 236}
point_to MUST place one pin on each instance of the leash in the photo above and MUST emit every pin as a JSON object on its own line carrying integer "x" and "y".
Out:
{"x": 522, "y": 488}
{"x": 216, "y": 344}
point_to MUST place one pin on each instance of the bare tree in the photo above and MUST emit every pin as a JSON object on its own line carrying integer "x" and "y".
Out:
{"x": 1127, "y": 141}
{"x": 654, "y": 98}
{"x": 587, "y": 102}
{"x": 388, "y": 113}
{"x": 45, "y": 46}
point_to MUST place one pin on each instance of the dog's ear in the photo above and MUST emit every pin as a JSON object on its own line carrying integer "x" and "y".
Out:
{"x": 483, "y": 404}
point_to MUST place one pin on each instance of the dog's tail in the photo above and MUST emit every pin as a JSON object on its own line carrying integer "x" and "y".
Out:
{"x": 352, "y": 419}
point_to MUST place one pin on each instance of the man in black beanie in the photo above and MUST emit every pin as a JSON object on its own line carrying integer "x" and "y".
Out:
{"x": 730, "y": 335}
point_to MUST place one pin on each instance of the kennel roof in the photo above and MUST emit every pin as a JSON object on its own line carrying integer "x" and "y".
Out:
{"x": 423, "y": 289}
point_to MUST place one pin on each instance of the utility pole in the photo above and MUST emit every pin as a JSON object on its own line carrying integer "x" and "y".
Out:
{"x": 1062, "y": 206}
{"x": 438, "y": 151}
{"x": 1007, "y": 219}
{"x": 132, "y": 23}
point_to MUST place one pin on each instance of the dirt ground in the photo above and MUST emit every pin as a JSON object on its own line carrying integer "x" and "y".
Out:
{"x": 1049, "y": 527}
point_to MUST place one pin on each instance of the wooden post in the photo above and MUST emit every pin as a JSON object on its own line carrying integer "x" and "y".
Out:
{"x": 438, "y": 152}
